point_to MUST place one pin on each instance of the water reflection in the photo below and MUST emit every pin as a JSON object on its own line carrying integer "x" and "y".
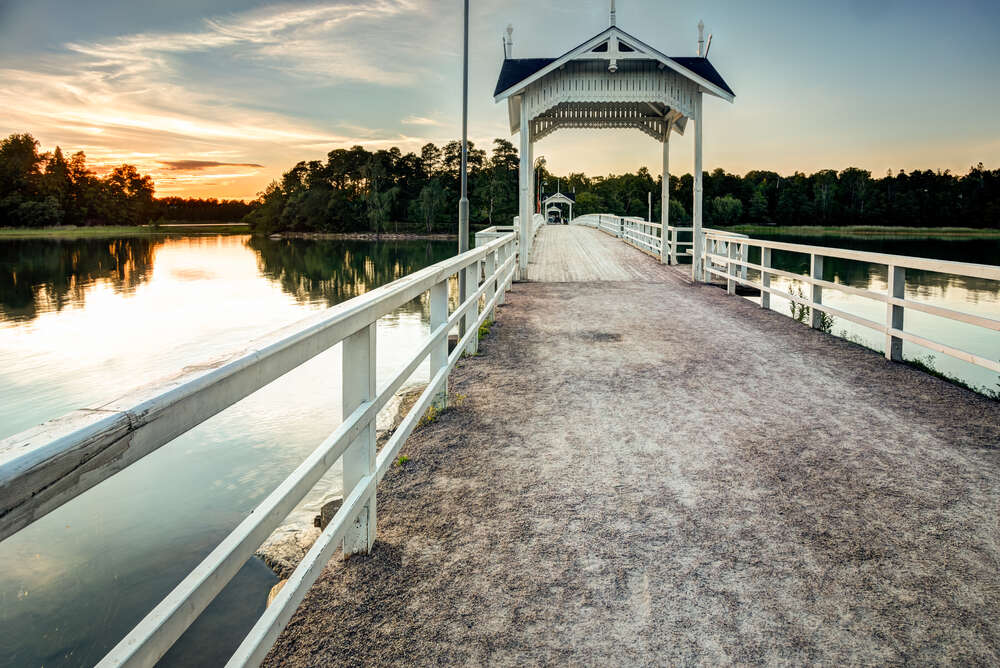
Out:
{"x": 40, "y": 275}
{"x": 333, "y": 271}
{"x": 959, "y": 293}
{"x": 81, "y": 322}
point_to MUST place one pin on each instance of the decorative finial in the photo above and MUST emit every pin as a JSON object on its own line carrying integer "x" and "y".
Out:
{"x": 612, "y": 12}
{"x": 701, "y": 38}
{"x": 508, "y": 48}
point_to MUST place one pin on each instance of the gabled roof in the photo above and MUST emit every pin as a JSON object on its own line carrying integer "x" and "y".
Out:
{"x": 516, "y": 72}
{"x": 561, "y": 198}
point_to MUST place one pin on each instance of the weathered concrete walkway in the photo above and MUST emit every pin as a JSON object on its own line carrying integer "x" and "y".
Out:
{"x": 651, "y": 472}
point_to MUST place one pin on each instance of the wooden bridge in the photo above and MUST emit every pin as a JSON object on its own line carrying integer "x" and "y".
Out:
{"x": 638, "y": 466}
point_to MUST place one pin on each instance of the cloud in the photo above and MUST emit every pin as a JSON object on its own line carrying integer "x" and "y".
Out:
{"x": 420, "y": 120}
{"x": 157, "y": 98}
{"x": 193, "y": 165}
{"x": 341, "y": 41}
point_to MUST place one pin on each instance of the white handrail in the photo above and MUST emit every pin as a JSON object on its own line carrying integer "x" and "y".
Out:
{"x": 726, "y": 266}
{"x": 46, "y": 466}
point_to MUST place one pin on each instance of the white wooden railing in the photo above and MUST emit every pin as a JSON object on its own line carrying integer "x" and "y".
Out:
{"x": 732, "y": 266}
{"x": 642, "y": 234}
{"x": 47, "y": 466}
{"x": 726, "y": 244}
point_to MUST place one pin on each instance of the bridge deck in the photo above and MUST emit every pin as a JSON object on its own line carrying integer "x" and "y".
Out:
{"x": 652, "y": 472}
{"x": 567, "y": 253}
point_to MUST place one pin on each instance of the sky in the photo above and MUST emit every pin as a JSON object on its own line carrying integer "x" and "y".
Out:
{"x": 219, "y": 97}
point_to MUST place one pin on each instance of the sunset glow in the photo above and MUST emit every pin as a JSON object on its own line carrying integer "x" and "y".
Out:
{"x": 219, "y": 98}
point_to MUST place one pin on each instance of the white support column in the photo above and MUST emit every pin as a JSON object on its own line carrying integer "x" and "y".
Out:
{"x": 765, "y": 278}
{"x": 472, "y": 283}
{"x": 532, "y": 189}
{"x": 666, "y": 248}
{"x": 439, "y": 353}
{"x": 697, "y": 272}
{"x": 358, "y": 371}
{"x": 894, "y": 313}
{"x": 524, "y": 210}
{"x": 816, "y": 271}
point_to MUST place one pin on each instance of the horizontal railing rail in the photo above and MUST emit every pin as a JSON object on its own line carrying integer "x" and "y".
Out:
{"x": 723, "y": 258}
{"x": 647, "y": 236}
{"x": 49, "y": 465}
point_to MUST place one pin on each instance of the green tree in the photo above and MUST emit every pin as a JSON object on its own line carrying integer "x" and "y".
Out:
{"x": 758, "y": 207}
{"x": 431, "y": 202}
{"x": 727, "y": 210}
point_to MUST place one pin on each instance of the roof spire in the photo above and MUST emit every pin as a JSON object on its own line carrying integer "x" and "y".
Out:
{"x": 508, "y": 45}
{"x": 701, "y": 38}
{"x": 612, "y": 12}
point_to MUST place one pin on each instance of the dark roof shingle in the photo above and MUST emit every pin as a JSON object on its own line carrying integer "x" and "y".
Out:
{"x": 515, "y": 70}
{"x": 704, "y": 69}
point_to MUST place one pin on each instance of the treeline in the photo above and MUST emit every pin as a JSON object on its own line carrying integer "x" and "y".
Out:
{"x": 46, "y": 189}
{"x": 355, "y": 190}
{"x": 359, "y": 190}
{"x": 194, "y": 209}
{"x": 849, "y": 197}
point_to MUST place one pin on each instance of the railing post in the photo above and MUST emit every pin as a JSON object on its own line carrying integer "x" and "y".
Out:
{"x": 765, "y": 278}
{"x": 470, "y": 317}
{"x": 894, "y": 313}
{"x": 501, "y": 284}
{"x": 816, "y": 291}
{"x": 358, "y": 369}
{"x": 733, "y": 267}
{"x": 490, "y": 266}
{"x": 745, "y": 257}
{"x": 439, "y": 352}
{"x": 673, "y": 247}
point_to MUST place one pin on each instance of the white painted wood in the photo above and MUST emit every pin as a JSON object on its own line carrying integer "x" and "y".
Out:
{"x": 585, "y": 54}
{"x": 732, "y": 267}
{"x": 439, "y": 353}
{"x": 765, "y": 278}
{"x": 358, "y": 378}
{"x": 697, "y": 272}
{"x": 816, "y": 290}
{"x": 957, "y": 353}
{"x": 895, "y": 300}
{"x": 668, "y": 247}
{"x": 894, "y": 313}
{"x": 524, "y": 208}
{"x": 47, "y": 465}
{"x": 489, "y": 267}
{"x": 987, "y": 271}
{"x": 35, "y": 458}
{"x": 472, "y": 280}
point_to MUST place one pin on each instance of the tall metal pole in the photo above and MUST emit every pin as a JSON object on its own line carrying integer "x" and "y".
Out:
{"x": 463, "y": 203}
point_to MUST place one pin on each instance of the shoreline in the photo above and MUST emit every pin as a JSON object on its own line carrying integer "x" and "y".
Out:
{"x": 364, "y": 236}
{"x": 288, "y": 544}
{"x": 872, "y": 231}
{"x": 104, "y": 231}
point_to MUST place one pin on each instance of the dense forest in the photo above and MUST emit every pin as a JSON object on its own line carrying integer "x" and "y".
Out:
{"x": 46, "y": 189}
{"x": 356, "y": 190}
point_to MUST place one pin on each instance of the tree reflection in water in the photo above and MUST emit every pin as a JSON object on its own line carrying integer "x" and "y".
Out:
{"x": 333, "y": 271}
{"x": 41, "y": 275}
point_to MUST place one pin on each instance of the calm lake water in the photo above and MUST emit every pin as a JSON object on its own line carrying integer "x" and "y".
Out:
{"x": 83, "y": 321}
{"x": 972, "y": 295}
